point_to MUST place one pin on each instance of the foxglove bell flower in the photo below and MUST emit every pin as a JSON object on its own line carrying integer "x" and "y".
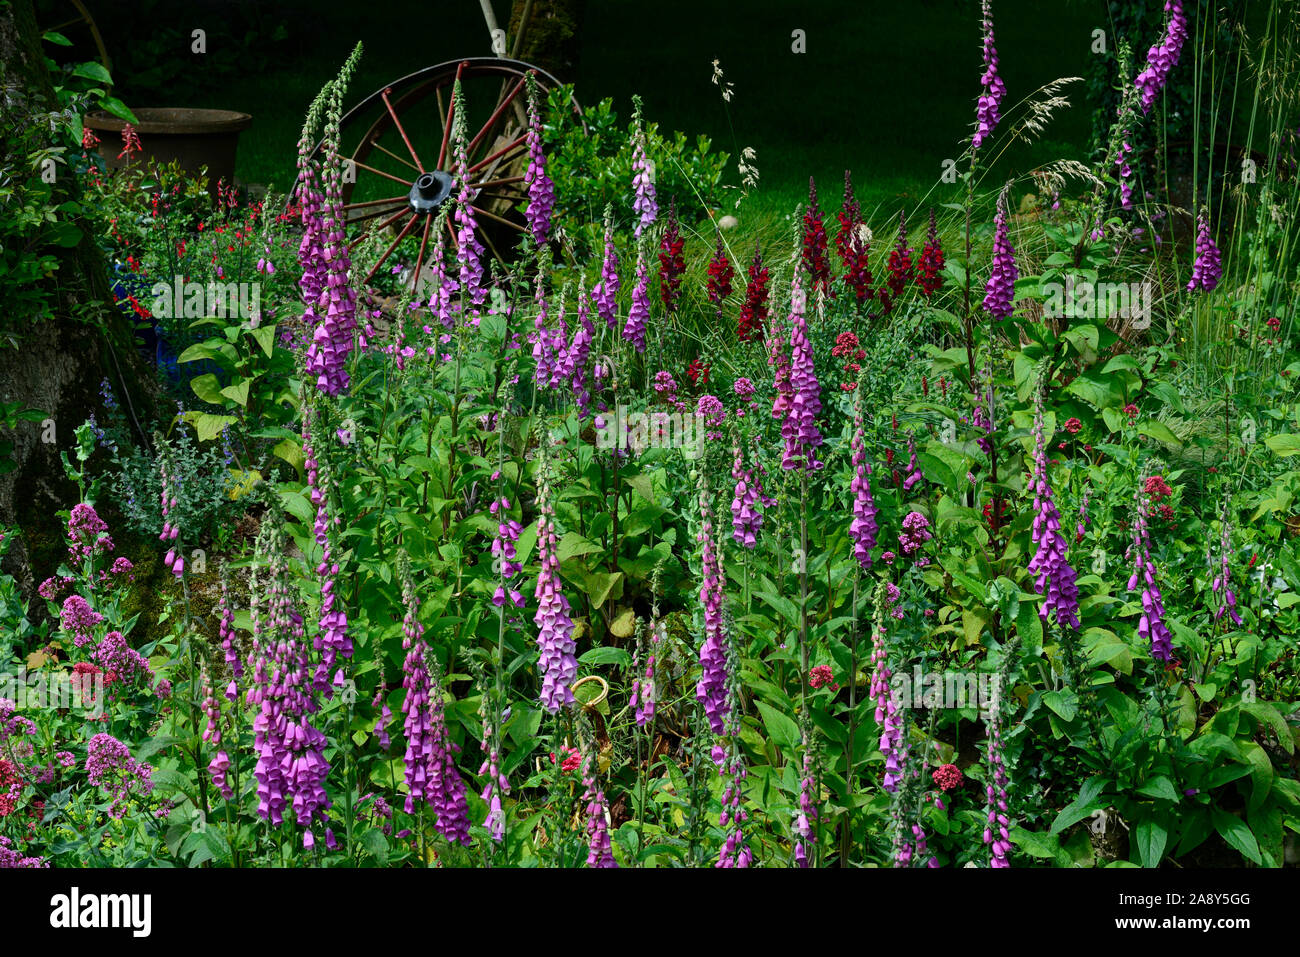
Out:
{"x": 996, "y": 835}
{"x": 1208, "y": 266}
{"x": 634, "y": 329}
{"x": 711, "y": 690}
{"x": 642, "y": 184}
{"x": 987, "y": 111}
{"x": 799, "y": 427}
{"x": 1001, "y": 288}
{"x": 600, "y": 851}
{"x": 1151, "y": 626}
{"x": 541, "y": 191}
{"x": 863, "y": 528}
{"x": 1054, "y": 578}
{"x": 1222, "y": 585}
{"x": 1163, "y": 57}
{"x": 746, "y": 520}
{"x": 604, "y": 293}
{"x": 557, "y": 662}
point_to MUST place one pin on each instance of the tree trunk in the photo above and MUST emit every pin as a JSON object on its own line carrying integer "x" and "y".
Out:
{"x": 57, "y": 363}
{"x": 551, "y": 35}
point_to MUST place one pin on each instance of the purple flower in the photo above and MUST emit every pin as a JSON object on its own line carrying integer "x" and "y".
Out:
{"x": 79, "y": 619}
{"x": 1001, "y": 288}
{"x": 599, "y": 850}
{"x": 109, "y": 765}
{"x": 711, "y": 690}
{"x": 914, "y": 473}
{"x": 915, "y": 533}
{"x": 578, "y": 352}
{"x": 541, "y": 191}
{"x": 1222, "y": 585}
{"x": 605, "y": 291}
{"x": 1054, "y": 577}
{"x": 887, "y": 713}
{"x": 996, "y": 835}
{"x": 556, "y": 660}
{"x": 986, "y": 111}
{"x": 1208, "y": 266}
{"x": 799, "y": 427}
{"x": 332, "y": 639}
{"x": 1163, "y": 57}
{"x": 863, "y": 528}
{"x": 1151, "y": 626}
{"x": 634, "y": 328}
{"x": 746, "y": 520}
{"x": 642, "y": 185}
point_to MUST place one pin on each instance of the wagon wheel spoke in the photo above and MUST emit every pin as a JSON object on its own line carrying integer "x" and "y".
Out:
{"x": 404, "y": 162}
{"x": 398, "y": 123}
{"x": 389, "y": 251}
{"x": 392, "y": 201}
{"x": 378, "y": 172}
{"x": 390, "y": 208}
{"x": 382, "y": 226}
{"x": 492, "y": 120}
{"x": 500, "y": 154}
{"x": 495, "y": 218}
{"x": 446, "y": 125}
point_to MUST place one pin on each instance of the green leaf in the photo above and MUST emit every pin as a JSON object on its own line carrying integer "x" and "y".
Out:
{"x": 210, "y": 426}
{"x": 1159, "y": 787}
{"x": 1065, "y": 704}
{"x": 1284, "y": 444}
{"x": 208, "y": 388}
{"x": 238, "y": 392}
{"x": 117, "y": 108}
{"x": 93, "y": 71}
{"x": 1083, "y": 805}
{"x": 1234, "y": 830}
{"x": 606, "y": 656}
{"x": 601, "y": 586}
{"x": 265, "y": 337}
{"x": 376, "y": 845}
{"x": 1151, "y": 837}
{"x": 58, "y": 39}
{"x": 1159, "y": 431}
{"x": 291, "y": 452}
{"x": 573, "y": 544}
{"x": 1269, "y": 716}
{"x": 780, "y": 729}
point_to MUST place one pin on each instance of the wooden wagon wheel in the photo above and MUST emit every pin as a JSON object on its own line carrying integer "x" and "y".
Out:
{"x": 398, "y": 143}
{"x": 83, "y": 17}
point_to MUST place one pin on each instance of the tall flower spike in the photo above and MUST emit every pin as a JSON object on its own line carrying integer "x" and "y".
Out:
{"x": 1151, "y": 626}
{"x": 1208, "y": 267}
{"x": 604, "y": 293}
{"x": 799, "y": 428}
{"x": 672, "y": 264}
{"x": 643, "y": 185}
{"x": 753, "y": 314}
{"x": 996, "y": 834}
{"x": 469, "y": 251}
{"x": 332, "y": 641}
{"x": 990, "y": 101}
{"x": 746, "y": 520}
{"x": 1222, "y": 585}
{"x": 600, "y": 851}
{"x": 634, "y": 329}
{"x": 929, "y": 268}
{"x": 541, "y": 191}
{"x": 721, "y": 273}
{"x": 1163, "y": 56}
{"x": 815, "y": 261}
{"x": 556, "y": 661}
{"x": 863, "y": 528}
{"x": 1001, "y": 288}
{"x": 735, "y": 851}
{"x": 1054, "y": 578}
{"x": 888, "y": 716}
{"x": 711, "y": 690}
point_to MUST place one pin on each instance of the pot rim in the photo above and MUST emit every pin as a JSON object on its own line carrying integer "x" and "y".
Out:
{"x": 174, "y": 121}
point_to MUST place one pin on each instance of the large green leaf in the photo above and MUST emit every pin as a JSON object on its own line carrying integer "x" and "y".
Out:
{"x": 1151, "y": 836}
{"x": 783, "y": 731}
{"x": 1238, "y": 835}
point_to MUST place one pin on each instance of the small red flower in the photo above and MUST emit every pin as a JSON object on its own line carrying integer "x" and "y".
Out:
{"x": 1073, "y": 426}
{"x": 1156, "y": 486}
{"x": 820, "y": 676}
{"x": 947, "y": 777}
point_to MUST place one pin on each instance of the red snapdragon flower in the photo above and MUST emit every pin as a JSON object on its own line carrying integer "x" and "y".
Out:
{"x": 672, "y": 264}
{"x": 753, "y": 314}
{"x": 815, "y": 260}
{"x": 929, "y": 267}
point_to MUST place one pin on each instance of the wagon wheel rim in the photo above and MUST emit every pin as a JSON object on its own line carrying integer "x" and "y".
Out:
{"x": 418, "y": 168}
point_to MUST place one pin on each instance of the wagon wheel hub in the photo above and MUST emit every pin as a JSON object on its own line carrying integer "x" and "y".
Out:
{"x": 429, "y": 192}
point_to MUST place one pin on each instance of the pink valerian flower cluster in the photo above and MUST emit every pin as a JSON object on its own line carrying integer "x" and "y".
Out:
{"x": 503, "y": 550}
{"x": 635, "y": 327}
{"x": 1208, "y": 267}
{"x": 804, "y": 828}
{"x": 644, "y": 689}
{"x": 79, "y": 620}
{"x": 431, "y": 773}
{"x": 121, "y": 663}
{"x": 1151, "y": 626}
{"x": 744, "y": 391}
{"x": 331, "y": 640}
{"x": 816, "y": 262}
{"x": 541, "y": 190}
{"x": 821, "y": 676}
{"x": 556, "y": 660}
{"x": 915, "y": 533}
{"x": 746, "y": 519}
{"x": 87, "y": 534}
{"x": 863, "y": 529}
{"x": 996, "y": 835}
{"x": 799, "y": 427}
{"x": 174, "y": 560}
{"x": 1163, "y": 56}
{"x": 1222, "y": 584}
{"x": 109, "y": 765}
{"x": 1000, "y": 291}
{"x": 605, "y": 292}
{"x": 852, "y": 245}
{"x": 10, "y": 856}
{"x": 600, "y": 852}
{"x": 711, "y": 690}
{"x": 987, "y": 111}
{"x": 947, "y": 777}
{"x": 1054, "y": 577}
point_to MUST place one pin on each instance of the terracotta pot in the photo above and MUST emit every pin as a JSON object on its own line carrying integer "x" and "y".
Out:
{"x": 195, "y": 138}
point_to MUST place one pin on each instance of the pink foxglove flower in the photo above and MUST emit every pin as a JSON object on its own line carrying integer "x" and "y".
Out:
{"x": 987, "y": 111}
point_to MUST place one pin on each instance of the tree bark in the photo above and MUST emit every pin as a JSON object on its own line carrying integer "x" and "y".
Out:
{"x": 551, "y": 35}
{"x": 57, "y": 363}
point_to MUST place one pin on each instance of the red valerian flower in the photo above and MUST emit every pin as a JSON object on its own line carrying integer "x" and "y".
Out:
{"x": 1157, "y": 487}
{"x": 821, "y": 676}
{"x": 947, "y": 777}
{"x": 1073, "y": 426}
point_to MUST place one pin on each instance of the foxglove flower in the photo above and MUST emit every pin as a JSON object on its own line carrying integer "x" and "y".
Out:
{"x": 1054, "y": 578}
{"x": 888, "y": 716}
{"x": 863, "y": 528}
{"x": 599, "y": 849}
{"x": 557, "y": 662}
{"x": 746, "y": 520}
{"x": 634, "y": 329}
{"x": 541, "y": 191}
{"x": 1222, "y": 585}
{"x": 914, "y": 473}
{"x": 799, "y": 427}
{"x": 987, "y": 110}
{"x": 996, "y": 835}
{"x": 804, "y": 829}
{"x": 174, "y": 559}
{"x": 642, "y": 184}
{"x": 815, "y": 261}
{"x": 1208, "y": 267}
{"x": 644, "y": 691}
{"x": 1001, "y": 288}
{"x": 331, "y": 641}
{"x": 578, "y": 352}
{"x": 711, "y": 690}
{"x": 1163, "y": 56}
{"x": 1151, "y": 626}
{"x": 605, "y": 292}
{"x": 753, "y": 313}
